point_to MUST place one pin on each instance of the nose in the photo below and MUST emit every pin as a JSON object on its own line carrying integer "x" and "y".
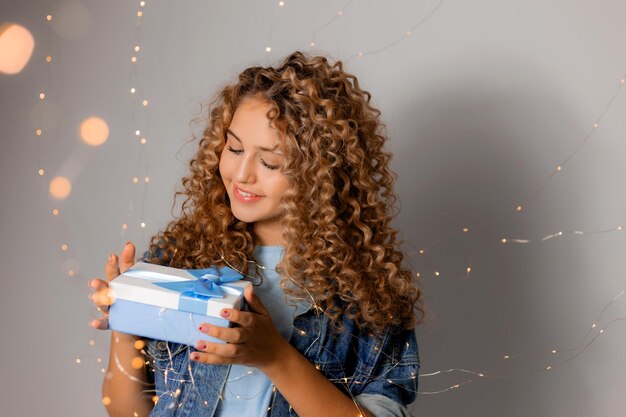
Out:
{"x": 245, "y": 172}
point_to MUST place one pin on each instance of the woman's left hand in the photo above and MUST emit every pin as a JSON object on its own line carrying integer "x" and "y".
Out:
{"x": 254, "y": 342}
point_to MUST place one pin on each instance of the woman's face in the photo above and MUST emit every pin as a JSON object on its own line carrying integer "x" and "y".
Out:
{"x": 250, "y": 166}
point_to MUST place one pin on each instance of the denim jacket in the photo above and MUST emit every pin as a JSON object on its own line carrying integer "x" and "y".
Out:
{"x": 356, "y": 363}
{"x": 380, "y": 372}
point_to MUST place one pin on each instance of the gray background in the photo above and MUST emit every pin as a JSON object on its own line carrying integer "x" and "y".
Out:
{"x": 482, "y": 102}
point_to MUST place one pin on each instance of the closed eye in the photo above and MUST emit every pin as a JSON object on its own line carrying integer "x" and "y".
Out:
{"x": 268, "y": 165}
{"x": 265, "y": 164}
{"x": 235, "y": 151}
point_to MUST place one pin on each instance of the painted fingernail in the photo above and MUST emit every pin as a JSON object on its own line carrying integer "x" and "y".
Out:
{"x": 203, "y": 328}
{"x": 225, "y": 313}
{"x": 195, "y": 356}
{"x": 200, "y": 345}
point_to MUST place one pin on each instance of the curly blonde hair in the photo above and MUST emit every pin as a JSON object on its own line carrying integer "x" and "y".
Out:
{"x": 340, "y": 248}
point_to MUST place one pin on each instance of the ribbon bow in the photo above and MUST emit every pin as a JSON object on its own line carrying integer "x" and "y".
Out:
{"x": 209, "y": 283}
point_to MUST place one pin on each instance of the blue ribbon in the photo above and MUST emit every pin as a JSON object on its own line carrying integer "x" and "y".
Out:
{"x": 207, "y": 284}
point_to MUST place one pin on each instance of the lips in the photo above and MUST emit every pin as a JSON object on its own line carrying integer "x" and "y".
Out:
{"x": 250, "y": 194}
{"x": 245, "y": 196}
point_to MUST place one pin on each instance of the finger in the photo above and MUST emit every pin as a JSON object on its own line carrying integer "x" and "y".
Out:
{"x": 254, "y": 302}
{"x": 227, "y": 334}
{"x": 226, "y": 350}
{"x": 209, "y": 358}
{"x": 242, "y": 318}
{"x": 97, "y": 284}
{"x": 104, "y": 297}
{"x": 100, "y": 324}
{"x": 127, "y": 257}
{"x": 111, "y": 269}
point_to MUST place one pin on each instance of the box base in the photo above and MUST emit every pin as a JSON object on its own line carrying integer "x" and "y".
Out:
{"x": 161, "y": 323}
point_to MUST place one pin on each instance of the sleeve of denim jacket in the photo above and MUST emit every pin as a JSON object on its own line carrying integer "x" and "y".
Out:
{"x": 381, "y": 406}
{"x": 390, "y": 370}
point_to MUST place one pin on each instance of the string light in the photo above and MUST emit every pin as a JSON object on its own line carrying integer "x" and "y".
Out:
{"x": 328, "y": 23}
{"x": 403, "y": 36}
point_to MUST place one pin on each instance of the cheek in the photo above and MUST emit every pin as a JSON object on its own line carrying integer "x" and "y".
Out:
{"x": 279, "y": 187}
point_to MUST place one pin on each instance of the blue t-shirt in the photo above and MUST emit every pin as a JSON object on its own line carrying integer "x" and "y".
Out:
{"x": 248, "y": 391}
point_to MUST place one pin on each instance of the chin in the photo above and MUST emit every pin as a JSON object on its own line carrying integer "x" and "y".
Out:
{"x": 243, "y": 217}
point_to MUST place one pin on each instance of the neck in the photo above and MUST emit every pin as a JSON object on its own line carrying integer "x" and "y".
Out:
{"x": 268, "y": 236}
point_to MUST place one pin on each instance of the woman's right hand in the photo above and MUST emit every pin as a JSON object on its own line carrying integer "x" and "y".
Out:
{"x": 100, "y": 296}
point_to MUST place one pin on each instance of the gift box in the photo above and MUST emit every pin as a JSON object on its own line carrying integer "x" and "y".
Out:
{"x": 165, "y": 303}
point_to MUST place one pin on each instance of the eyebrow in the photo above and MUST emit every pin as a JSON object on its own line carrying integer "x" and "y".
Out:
{"x": 274, "y": 149}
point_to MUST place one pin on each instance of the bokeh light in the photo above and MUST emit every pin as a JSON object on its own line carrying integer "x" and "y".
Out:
{"x": 60, "y": 187}
{"x": 137, "y": 362}
{"x": 16, "y": 48}
{"x": 94, "y": 131}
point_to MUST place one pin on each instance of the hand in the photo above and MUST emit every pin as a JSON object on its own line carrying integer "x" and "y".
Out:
{"x": 254, "y": 342}
{"x": 101, "y": 297}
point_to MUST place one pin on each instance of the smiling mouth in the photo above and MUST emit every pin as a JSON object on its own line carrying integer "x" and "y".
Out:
{"x": 244, "y": 195}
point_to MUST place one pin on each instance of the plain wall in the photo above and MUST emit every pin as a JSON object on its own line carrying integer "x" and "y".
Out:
{"x": 482, "y": 101}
